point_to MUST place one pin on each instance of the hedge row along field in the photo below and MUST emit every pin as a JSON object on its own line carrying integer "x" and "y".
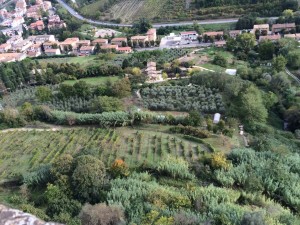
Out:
{"x": 21, "y": 151}
{"x": 183, "y": 98}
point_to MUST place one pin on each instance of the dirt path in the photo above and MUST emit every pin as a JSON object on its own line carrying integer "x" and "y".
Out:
{"x": 30, "y": 129}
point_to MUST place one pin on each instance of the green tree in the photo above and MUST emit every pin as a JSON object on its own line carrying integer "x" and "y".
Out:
{"x": 220, "y": 60}
{"x": 43, "y": 94}
{"x": 121, "y": 88}
{"x": 27, "y": 111}
{"x": 246, "y": 42}
{"x": 106, "y": 104}
{"x": 293, "y": 59}
{"x": 88, "y": 178}
{"x": 198, "y": 28}
{"x": 142, "y": 26}
{"x": 250, "y": 106}
{"x": 279, "y": 63}
{"x": 82, "y": 89}
{"x": 266, "y": 50}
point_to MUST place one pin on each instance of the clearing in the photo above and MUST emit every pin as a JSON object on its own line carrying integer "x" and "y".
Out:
{"x": 93, "y": 80}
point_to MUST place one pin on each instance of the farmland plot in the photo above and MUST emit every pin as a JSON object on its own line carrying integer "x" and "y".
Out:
{"x": 21, "y": 151}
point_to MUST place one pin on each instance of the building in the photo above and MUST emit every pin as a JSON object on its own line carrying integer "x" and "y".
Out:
{"x": 69, "y": 42}
{"x": 21, "y": 46}
{"x": 38, "y": 25}
{"x": 119, "y": 41}
{"x": 109, "y": 47}
{"x": 35, "y": 11}
{"x": 47, "y": 5}
{"x": 273, "y": 38}
{"x": 189, "y": 35}
{"x": 83, "y": 43}
{"x": 51, "y": 52}
{"x": 5, "y": 47}
{"x": 283, "y": 27}
{"x": 220, "y": 44}
{"x": 41, "y": 38}
{"x": 151, "y": 34}
{"x": 234, "y": 33}
{"x": 17, "y": 21}
{"x": 51, "y": 45}
{"x": 139, "y": 39}
{"x": 217, "y": 118}
{"x": 214, "y": 34}
{"x": 21, "y": 6}
{"x": 124, "y": 49}
{"x": 54, "y": 22}
{"x": 87, "y": 50}
{"x": 261, "y": 28}
{"x": 294, "y": 36}
{"x": 100, "y": 41}
{"x": 152, "y": 73}
{"x": 14, "y": 39}
{"x": 12, "y": 57}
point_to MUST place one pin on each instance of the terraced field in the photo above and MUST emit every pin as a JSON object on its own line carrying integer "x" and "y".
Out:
{"x": 22, "y": 150}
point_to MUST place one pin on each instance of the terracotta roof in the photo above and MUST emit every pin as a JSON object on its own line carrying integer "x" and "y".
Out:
{"x": 213, "y": 33}
{"x": 138, "y": 37}
{"x": 109, "y": 46}
{"x": 270, "y": 37}
{"x": 100, "y": 40}
{"x": 284, "y": 25}
{"x": 5, "y": 45}
{"x": 261, "y": 26}
{"x": 50, "y": 50}
{"x": 87, "y": 48}
{"x": 235, "y": 31}
{"x": 151, "y": 31}
{"x": 119, "y": 39}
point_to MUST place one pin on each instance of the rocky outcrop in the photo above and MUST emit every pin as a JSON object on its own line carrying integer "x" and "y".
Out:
{"x": 10, "y": 216}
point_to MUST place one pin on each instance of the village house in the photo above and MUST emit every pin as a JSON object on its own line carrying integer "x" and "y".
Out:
{"x": 35, "y": 11}
{"x": 139, "y": 39}
{"x": 189, "y": 35}
{"x": 152, "y": 73}
{"x": 54, "y": 22}
{"x": 151, "y": 34}
{"x": 41, "y": 38}
{"x": 124, "y": 49}
{"x": 17, "y": 21}
{"x": 83, "y": 43}
{"x": 51, "y": 45}
{"x": 119, "y": 41}
{"x": 14, "y": 39}
{"x": 87, "y": 50}
{"x": 273, "y": 38}
{"x": 261, "y": 28}
{"x": 220, "y": 44}
{"x": 21, "y": 46}
{"x": 34, "y": 50}
{"x": 47, "y": 5}
{"x": 283, "y": 27}
{"x": 109, "y": 47}
{"x": 12, "y": 57}
{"x": 100, "y": 41}
{"x": 51, "y": 52}
{"x": 214, "y": 34}
{"x": 5, "y": 47}
{"x": 21, "y": 6}
{"x": 38, "y": 25}
{"x": 69, "y": 42}
{"x": 234, "y": 33}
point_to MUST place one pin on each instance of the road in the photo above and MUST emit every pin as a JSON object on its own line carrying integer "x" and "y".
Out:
{"x": 156, "y": 25}
{"x": 292, "y": 75}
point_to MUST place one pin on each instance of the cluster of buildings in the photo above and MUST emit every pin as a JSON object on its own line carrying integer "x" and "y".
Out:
{"x": 14, "y": 20}
{"x": 264, "y": 31}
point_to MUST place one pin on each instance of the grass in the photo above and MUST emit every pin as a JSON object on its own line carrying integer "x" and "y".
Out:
{"x": 93, "y": 80}
{"x": 83, "y": 60}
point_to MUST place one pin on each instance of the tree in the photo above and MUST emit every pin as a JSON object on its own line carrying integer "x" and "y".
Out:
{"x": 106, "y": 104}
{"x": 279, "y": 63}
{"x": 198, "y": 28}
{"x": 293, "y": 59}
{"x": 142, "y": 26}
{"x": 27, "y": 111}
{"x": 43, "y": 94}
{"x": 121, "y": 88}
{"x": 253, "y": 218}
{"x": 245, "y": 22}
{"x": 119, "y": 168}
{"x": 288, "y": 13}
{"x": 280, "y": 82}
{"x": 219, "y": 161}
{"x": 101, "y": 214}
{"x": 88, "y": 178}
{"x": 246, "y": 42}
{"x": 82, "y": 89}
{"x": 194, "y": 118}
{"x": 266, "y": 50}
{"x": 136, "y": 71}
{"x": 250, "y": 106}
{"x": 220, "y": 60}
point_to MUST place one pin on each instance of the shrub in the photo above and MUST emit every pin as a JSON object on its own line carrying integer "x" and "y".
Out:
{"x": 119, "y": 168}
{"x": 190, "y": 131}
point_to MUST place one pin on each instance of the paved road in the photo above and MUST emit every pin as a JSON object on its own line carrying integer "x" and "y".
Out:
{"x": 156, "y": 25}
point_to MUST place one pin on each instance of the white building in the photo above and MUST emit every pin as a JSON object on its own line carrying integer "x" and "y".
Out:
{"x": 189, "y": 35}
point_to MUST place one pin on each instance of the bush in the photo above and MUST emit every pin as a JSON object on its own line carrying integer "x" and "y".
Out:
{"x": 188, "y": 130}
{"x": 220, "y": 61}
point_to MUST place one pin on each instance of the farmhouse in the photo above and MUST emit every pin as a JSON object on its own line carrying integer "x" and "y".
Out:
{"x": 283, "y": 27}
{"x": 87, "y": 50}
{"x": 83, "y": 43}
{"x": 139, "y": 39}
{"x": 118, "y": 41}
{"x": 261, "y": 28}
{"x": 69, "y": 42}
{"x": 189, "y": 35}
{"x": 100, "y": 41}
{"x": 125, "y": 49}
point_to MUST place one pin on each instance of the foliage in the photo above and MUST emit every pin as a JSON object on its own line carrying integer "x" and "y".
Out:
{"x": 106, "y": 104}
{"x": 219, "y": 161}
{"x": 183, "y": 98}
{"x": 121, "y": 88}
{"x": 142, "y": 26}
{"x": 220, "y": 60}
{"x": 88, "y": 177}
{"x": 279, "y": 63}
{"x": 293, "y": 59}
{"x": 175, "y": 167}
{"x": 119, "y": 168}
{"x": 190, "y": 131}
{"x": 43, "y": 94}
{"x": 101, "y": 214}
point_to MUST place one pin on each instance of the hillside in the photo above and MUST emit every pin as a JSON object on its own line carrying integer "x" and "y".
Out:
{"x": 166, "y": 10}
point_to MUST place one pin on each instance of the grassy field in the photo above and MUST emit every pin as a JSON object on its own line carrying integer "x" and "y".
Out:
{"x": 84, "y": 60}
{"x": 93, "y": 80}
{"x": 21, "y": 151}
